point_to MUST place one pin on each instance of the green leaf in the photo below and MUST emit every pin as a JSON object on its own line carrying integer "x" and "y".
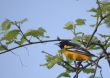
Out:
{"x": 9, "y": 42}
{"x": 107, "y": 21}
{"x": 93, "y": 25}
{"x": 23, "y": 20}
{"x": 23, "y": 40}
{"x": 93, "y": 10}
{"x": 50, "y": 65}
{"x": 2, "y": 47}
{"x": 64, "y": 74}
{"x": 6, "y": 25}
{"x": 31, "y": 33}
{"x": 52, "y": 60}
{"x": 48, "y": 58}
{"x": 105, "y": 7}
{"x": 19, "y": 22}
{"x": 96, "y": 48}
{"x": 41, "y": 31}
{"x": 36, "y": 33}
{"x": 108, "y": 45}
{"x": 97, "y": 12}
{"x": 61, "y": 51}
{"x": 86, "y": 38}
{"x": 91, "y": 47}
{"x": 58, "y": 58}
{"x": 89, "y": 70}
{"x": 103, "y": 35}
{"x": 77, "y": 40}
{"x": 47, "y": 36}
{"x": 80, "y": 21}
{"x": 79, "y": 33}
{"x": 69, "y": 26}
{"x": 11, "y": 35}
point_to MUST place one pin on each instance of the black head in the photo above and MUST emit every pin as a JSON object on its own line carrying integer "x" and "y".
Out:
{"x": 63, "y": 42}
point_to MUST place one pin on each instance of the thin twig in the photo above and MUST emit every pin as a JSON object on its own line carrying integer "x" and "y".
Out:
{"x": 47, "y": 53}
{"x": 97, "y": 25}
{"x": 27, "y": 50}
{"x": 78, "y": 67}
{"x": 74, "y": 30}
{"x": 95, "y": 30}
{"x": 18, "y": 26}
{"x": 89, "y": 64}
{"x": 96, "y": 68}
{"x": 105, "y": 52}
{"x": 32, "y": 44}
{"x": 19, "y": 58}
{"x": 106, "y": 42}
{"x": 101, "y": 73}
{"x": 13, "y": 53}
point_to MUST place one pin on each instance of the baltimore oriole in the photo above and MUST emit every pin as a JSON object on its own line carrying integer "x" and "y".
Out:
{"x": 75, "y": 52}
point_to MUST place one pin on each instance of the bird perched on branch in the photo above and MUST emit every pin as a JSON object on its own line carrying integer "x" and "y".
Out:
{"x": 75, "y": 52}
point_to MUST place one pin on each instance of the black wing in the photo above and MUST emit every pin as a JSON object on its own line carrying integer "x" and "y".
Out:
{"x": 78, "y": 48}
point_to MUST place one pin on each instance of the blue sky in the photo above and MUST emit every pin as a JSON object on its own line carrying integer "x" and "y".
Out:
{"x": 51, "y": 15}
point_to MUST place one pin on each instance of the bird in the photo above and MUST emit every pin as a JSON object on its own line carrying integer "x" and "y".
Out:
{"x": 74, "y": 51}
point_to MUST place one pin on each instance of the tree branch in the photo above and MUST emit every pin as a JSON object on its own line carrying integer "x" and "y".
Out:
{"x": 101, "y": 73}
{"x": 78, "y": 67}
{"x": 89, "y": 64}
{"x": 95, "y": 30}
{"x": 32, "y": 44}
{"x": 105, "y": 52}
{"x": 106, "y": 42}
{"x": 103, "y": 49}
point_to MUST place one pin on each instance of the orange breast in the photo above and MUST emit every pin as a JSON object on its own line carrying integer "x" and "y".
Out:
{"x": 76, "y": 56}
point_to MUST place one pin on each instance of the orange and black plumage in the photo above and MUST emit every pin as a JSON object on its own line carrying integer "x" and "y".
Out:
{"x": 74, "y": 51}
